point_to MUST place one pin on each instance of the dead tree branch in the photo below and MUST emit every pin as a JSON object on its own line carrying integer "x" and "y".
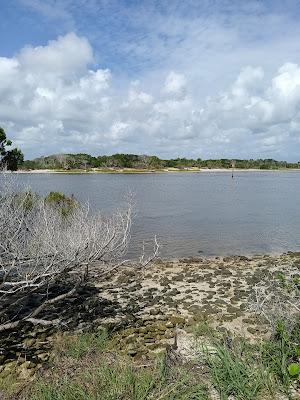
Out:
{"x": 40, "y": 244}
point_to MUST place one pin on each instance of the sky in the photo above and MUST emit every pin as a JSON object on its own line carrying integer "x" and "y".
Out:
{"x": 174, "y": 78}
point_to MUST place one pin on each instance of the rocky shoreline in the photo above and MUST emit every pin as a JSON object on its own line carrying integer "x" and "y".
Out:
{"x": 143, "y": 309}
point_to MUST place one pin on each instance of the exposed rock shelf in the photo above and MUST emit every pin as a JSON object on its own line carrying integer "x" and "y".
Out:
{"x": 143, "y": 308}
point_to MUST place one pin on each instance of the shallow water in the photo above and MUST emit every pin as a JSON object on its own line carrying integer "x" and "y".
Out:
{"x": 196, "y": 213}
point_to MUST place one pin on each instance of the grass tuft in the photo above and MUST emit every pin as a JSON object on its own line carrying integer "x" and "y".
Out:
{"x": 202, "y": 329}
{"x": 236, "y": 372}
{"x": 102, "y": 374}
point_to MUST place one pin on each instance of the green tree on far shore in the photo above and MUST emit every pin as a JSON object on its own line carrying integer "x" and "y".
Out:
{"x": 11, "y": 159}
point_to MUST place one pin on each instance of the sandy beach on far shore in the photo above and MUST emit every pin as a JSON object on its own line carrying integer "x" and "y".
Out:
{"x": 144, "y": 171}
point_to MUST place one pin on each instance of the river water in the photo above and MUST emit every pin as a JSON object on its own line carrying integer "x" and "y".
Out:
{"x": 195, "y": 214}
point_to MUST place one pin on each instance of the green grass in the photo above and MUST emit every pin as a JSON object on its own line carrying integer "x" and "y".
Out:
{"x": 201, "y": 329}
{"x": 120, "y": 380}
{"x": 78, "y": 346}
{"x": 8, "y": 386}
{"x": 249, "y": 371}
{"x": 278, "y": 354}
{"x": 86, "y": 367}
{"x": 237, "y": 372}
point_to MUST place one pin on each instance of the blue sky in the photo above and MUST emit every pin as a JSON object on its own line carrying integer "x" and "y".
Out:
{"x": 172, "y": 78}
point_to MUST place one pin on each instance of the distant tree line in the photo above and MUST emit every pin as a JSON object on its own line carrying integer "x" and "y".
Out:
{"x": 86, "y": 161}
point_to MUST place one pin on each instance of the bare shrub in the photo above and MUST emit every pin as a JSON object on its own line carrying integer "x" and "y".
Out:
{"x": 40, "y": 244}
{"x": 277, "y": 299}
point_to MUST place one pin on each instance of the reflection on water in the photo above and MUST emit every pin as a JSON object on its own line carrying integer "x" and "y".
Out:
{"x": 193, "y": 214}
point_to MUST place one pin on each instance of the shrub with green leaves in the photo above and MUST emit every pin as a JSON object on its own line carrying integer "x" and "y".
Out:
{"x": 280, "y": 356}
{"x": 62, "y": 202}
{"x": 294, "y": 370}
{"x": 277, "y": 301}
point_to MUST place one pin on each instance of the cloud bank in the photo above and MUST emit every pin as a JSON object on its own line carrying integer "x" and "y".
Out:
{"x": 54, "y": 98}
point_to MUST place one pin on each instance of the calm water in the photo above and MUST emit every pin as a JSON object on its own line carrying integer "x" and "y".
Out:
{"x": 192, "y": 214}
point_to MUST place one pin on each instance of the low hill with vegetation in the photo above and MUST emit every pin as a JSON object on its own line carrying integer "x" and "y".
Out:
{"x": 146, "y": 162}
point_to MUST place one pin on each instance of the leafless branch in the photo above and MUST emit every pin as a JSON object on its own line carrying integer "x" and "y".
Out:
{"x": 144, "y": 260}
{"x": 277, "y": 299}
{"x": 39, "y": 243}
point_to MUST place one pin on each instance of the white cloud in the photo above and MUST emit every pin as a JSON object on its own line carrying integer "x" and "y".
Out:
{"x": 68, "y": 54}
{"x": 175, "y": 84}
{"x": 52, "y": 100}
{"x": 248, "y": 81}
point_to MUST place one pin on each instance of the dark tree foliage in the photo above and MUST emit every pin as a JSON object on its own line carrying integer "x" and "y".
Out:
{"x": 3, "y": 142}
{"x": 119, "y": 161}
{"x": 12, "y": 158}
